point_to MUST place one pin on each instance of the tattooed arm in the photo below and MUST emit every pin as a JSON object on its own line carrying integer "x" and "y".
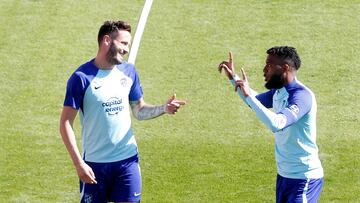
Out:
{"x": 143, "y": 111}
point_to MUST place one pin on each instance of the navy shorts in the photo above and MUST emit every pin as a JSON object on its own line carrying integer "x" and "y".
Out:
{"x": 298, "y": 190}
{"x": 116, "y": 182}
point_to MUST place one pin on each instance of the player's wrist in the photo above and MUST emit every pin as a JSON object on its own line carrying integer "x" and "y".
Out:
{"x": 163, "y": 108}
{"x": 235, "y": 77}
{"x": 79, "y": 164}
{"x": 230, "y": 76}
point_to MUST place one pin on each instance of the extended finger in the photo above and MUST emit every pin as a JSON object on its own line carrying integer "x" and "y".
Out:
{"x": 173, "y": 97}
{"x": 174, "y": 104}
{"x": 238, "y": 84}
{"x": 243, "y": 74}
{"x": 180, "y": 102}
{"x": 230, "y": 57}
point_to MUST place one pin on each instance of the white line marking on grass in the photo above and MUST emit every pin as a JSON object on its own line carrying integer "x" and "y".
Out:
{"x": 139, "y": 31}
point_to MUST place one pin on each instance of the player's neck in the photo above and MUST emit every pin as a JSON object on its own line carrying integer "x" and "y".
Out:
{"x": 291, "y": 76}
{"x": 101, "y": 63}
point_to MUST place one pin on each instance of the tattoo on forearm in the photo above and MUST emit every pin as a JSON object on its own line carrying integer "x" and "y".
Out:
{"x": 149, "y": 112}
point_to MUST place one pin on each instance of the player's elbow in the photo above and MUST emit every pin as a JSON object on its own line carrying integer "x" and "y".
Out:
{"x": 136, "y": 115}
{"x": 139, "y": 118}
{"x": 136, "y": 108}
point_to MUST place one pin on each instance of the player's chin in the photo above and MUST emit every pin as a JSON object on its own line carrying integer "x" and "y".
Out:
{"x": 119, "y": 57}
{"x": 118, "y": 60}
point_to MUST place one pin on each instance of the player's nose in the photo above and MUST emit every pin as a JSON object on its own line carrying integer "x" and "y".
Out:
{"x": 125, "y": 50}
{"x": 264, "y": 69}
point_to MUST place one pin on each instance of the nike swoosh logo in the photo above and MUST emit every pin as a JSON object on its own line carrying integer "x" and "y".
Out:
{"x": 137, "y": 194}
{"x": 97, "y": 87}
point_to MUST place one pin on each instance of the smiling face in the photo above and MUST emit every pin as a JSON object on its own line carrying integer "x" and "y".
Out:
{"x": 118, "y": 47}
{"x": 274, "y": 73}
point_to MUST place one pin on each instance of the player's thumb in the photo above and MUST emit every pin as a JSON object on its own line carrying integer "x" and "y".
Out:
{"x": 173, "y": 97}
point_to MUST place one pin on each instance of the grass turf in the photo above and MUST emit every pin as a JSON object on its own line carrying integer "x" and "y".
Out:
{"x": 214, "y": 149}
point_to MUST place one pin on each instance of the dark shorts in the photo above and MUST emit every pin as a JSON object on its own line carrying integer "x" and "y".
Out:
{"x": 116, "y": 182}
{"x": 298, "y": 190}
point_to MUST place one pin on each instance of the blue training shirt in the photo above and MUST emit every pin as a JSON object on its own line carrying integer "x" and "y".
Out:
{"x": 103, "y": 96}
{"x": 294, "y": 124}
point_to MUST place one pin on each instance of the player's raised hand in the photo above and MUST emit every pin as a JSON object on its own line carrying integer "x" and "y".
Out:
{"x": 172, "y": 105}
{"x": 228, "y": 67}
{"x": 243, "y": 84}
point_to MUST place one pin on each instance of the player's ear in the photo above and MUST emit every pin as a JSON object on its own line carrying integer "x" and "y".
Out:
{"x": 107, "y": 40}
{"x": 286, "y": 67}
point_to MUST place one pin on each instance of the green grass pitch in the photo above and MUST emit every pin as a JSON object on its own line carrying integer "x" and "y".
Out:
{"x": 215, "y": 149}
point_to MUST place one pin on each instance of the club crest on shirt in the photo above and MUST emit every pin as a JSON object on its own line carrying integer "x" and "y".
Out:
{"x": 123, "y": 82}
{"x": 294, "y": 109}
{"x": 113, "y": 106}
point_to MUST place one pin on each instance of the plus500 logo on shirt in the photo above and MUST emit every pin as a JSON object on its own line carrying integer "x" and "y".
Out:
{"x": 113, "y": 106}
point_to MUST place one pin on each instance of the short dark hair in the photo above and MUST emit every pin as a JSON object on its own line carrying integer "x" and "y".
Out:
{"x": 287, "y": 55}
{"x": 110, "y": 27}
